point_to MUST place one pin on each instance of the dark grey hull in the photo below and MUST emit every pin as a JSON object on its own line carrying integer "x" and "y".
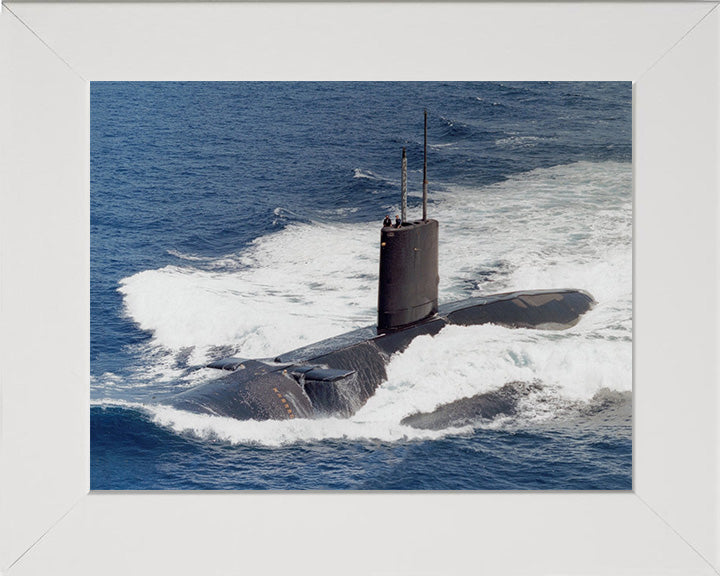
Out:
{"x": 336, "y": 377}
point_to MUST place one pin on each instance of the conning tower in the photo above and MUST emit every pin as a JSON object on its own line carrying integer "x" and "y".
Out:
{"x": 408, "y": 288}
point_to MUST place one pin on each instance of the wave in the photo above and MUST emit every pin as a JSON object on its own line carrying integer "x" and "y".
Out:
{"x": 285, "y": 215}
{"x": 517, "y": 141}
{"x": 454, "y": 130}
{"x": 188, "y": 257}
{"x": 491, "y": 103}
{"x": 365, "y": 174}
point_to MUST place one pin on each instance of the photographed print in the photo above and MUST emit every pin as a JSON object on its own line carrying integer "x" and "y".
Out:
{"x": 361, "y": 285}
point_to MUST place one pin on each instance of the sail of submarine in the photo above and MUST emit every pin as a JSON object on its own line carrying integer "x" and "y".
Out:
{"x": 336, "y": 377}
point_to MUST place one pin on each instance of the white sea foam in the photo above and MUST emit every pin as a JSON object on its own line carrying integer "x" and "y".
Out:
{"x": 276, "y": 433}
{"x": 365, "y": 174}
{"x": 189, "y": 257}
{"x": 517, "y": 141}
{"x": 562, "y": 227}
{"x": 288, "y": 289}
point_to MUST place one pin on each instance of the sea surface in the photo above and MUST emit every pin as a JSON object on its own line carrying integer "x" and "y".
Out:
{"x": 243, "y": 218}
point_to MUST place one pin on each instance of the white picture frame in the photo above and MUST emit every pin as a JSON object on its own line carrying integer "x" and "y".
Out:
{"x": 51, "y": 524}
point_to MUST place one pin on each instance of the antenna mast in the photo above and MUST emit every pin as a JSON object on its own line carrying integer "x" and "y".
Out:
{"x": 403, "y": 188}
{"x": 425, "y": 183}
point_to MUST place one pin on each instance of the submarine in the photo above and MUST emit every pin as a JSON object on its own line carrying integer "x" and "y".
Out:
{"x": 336, "y": 377}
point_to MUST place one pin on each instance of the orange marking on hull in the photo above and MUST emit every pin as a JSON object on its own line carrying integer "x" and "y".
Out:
{"x": 285, "y": 403}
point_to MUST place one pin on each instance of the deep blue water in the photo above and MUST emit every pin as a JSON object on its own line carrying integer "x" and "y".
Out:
{"x": 130, "y": 452}
{"x": 185, "y": 174}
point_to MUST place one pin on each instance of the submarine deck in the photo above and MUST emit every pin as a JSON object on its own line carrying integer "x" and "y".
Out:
{"x": 452, "y": 313}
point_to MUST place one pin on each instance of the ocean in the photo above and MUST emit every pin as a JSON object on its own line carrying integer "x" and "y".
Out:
{"x": 243, "y": 218}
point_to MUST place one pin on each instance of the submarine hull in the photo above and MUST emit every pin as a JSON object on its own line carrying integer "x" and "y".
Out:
{"x": 337, "y": 376}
